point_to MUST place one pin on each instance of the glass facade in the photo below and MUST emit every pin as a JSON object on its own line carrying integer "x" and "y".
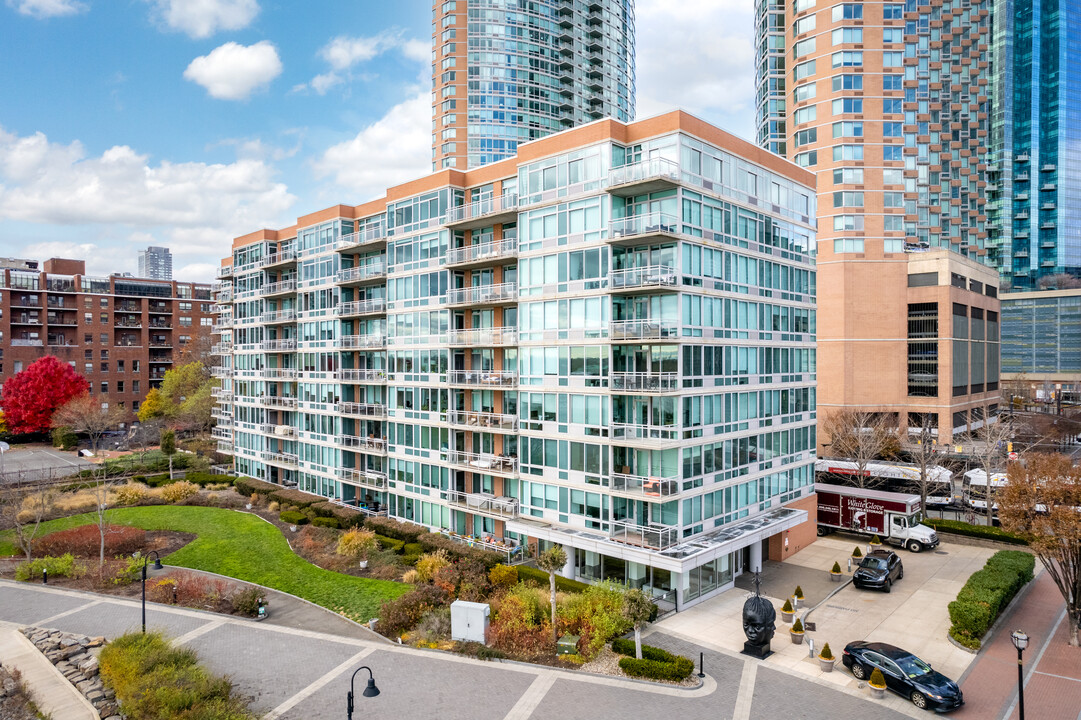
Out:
{"x": 623, "y": 362}
{"x": 1041, "y": 334}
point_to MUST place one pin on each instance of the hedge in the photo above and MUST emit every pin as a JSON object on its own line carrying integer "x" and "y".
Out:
{"x": 327, "y": 522}
{"x": 247, "y": 486}
{"x": 293, "y": 517}
{"x": 433, "y": 542}
{"x": 676, "y": 671}
{"x": 346, "y": 517}
{"x": 413, "y": 549}
{"x": 526, "y": 572}
{"x": 406, "y": 532}
{"x": 987, "y": 593}
{"x": 987, "y": 532}
{"x": 66, "y": 565}
{"x": 625, "y": 646}
{"x": 390, "y": 543}
{"x": 288, "y": 496}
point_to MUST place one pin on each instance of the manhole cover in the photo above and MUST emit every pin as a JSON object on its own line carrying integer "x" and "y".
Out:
{"x": 941, "y": 552}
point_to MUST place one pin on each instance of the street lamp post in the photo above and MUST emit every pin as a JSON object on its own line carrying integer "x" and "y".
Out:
{"x": 157, "y": 566}
{"x": 370, "y": 691}
{"x": 1020, "y": 641}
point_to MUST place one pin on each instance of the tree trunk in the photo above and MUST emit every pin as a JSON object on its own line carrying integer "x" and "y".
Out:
{"x": 555, "y": 631}
{"x": 1074, "y": 618}
{"x": 638, "y": 641}
{"x": 170, "y": 467}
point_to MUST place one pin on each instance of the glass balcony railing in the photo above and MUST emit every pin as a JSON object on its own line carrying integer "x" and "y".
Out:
{"x": 278, "y": 401}
{"x": 484, "y": 294}
{"x": 649, "y": 277}
{"x": 641, "y": 226}
{"x": 279, "y": 345}
{"x": 644, "y": 330}
{"x": 482, "y": 252}
{"x": 278, "y": 316}
{"x": 486, "y": 210}
{"x": 644, "y": 382}
{"x": 361, "y": 376}
{"x": 281, "y": 258}
{"x": 493, "y": 336}
{"x": 484, "y": 378}
{"x": 282, "y": 287}
{"x": 362, "y": 342}
{"x": 362, "y": 273}
{"x": 288, "y": 460}
{"x": 483, "y": 462}
{"x": 630, "y": 432}
{"x": 365, "y": 444}
{"x": 368, "y": 236}
{"x": 367, "y": 410}
{"x": 644, "y": 486}
{"x": 653, "y": 170}
{"x": 483, "y": 421}
{"x": 367, "y": 478}
{"x": 504, "y": 507}
{"x": 374, "y": 306}
{"x": 655, "y": 537}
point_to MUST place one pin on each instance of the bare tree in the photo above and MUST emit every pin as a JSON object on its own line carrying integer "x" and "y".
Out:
{"x": 24, "y": 507}
{"x": 926, "y": 455}
{"x": 1042, "y": 503}
{"x": 638, "y": 608}
{"x": 861, "y": 437}
{"x": 989, "y": 447}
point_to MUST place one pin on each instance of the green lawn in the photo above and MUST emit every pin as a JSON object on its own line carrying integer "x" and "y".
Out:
{"x": 244, "y": 547}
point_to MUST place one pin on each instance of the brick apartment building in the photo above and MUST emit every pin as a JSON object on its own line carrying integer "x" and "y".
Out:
{"x": 120, "y": 333}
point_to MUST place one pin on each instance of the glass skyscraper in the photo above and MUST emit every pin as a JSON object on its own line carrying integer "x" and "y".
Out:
{"x": 506, "y": 72}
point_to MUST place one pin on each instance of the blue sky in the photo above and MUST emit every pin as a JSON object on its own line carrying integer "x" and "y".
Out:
{"x": 184, "y": 123}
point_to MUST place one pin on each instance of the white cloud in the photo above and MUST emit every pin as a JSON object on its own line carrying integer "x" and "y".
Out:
{"x": 392, "y": 150}
{"x": 203, "y": 18}
{"x": 343, "y": 53}
{"x": 322, "y": 83}
{"x": 47, "y": 8}
{"x": 193, "y": 208}
{"x": 233, "y": 71}
{"x": 697, "y": 55}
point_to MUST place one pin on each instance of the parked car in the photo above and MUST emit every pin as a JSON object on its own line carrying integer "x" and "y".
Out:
{"x": 879, "y": 569}
{"x": 905, "y": 674}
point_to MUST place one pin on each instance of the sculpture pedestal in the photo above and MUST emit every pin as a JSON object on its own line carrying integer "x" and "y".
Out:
{"x": 757, "y": 651}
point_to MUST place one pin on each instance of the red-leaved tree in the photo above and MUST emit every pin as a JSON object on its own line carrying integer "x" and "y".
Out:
{"x": 31, "y": 396}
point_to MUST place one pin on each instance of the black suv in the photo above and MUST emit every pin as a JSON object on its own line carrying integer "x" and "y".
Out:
{"x": 879, "y": 569}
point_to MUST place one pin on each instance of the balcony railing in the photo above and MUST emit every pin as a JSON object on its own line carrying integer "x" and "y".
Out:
{"x": 222, "y": 324}
{"x": 640, "y": 278}
{"x": 482, "y": 252}
{"x": 281, "y": 258}
{"x": 278, "y": 401}
{"x": 376, "y": 234}
{"x": 285, "y": 431}
{"x": 644, "y": 486}
{"x": 225, "y": 447}
{"x": 484, "y": 378}
{"x": 222, "y": 433}
{"x": 470, "y": 419}
{"x": 279, "y": 345}
{"x": 282, "y": 287}
{"x": 480, "y": 212}
{"x": 504, "y": 507}
{"x": 367, "y": 444}
{"x": 361, "y": 342}
{"x": 278, "y": 316}
{"x": 628, "y": 432}
{"x": 367, "y": 410}
{"x": 374, "y": 306}
{"x": 645, "y": 382}
{"x": 221, "y": 371}
{"x": 359, "y": 476}
{"x": 221, "y": 414}
{"x": 637, "y": 227}
{"x": 644, "y": 330}
{"x": 362, "y": 375}
{"x": 654, "y": 171}
{"x": 284, "y": 459}
{"x": 370, "y": 271}
{"x": 277, "y": 373}
{"x": 222, "y": 394}
{"x": 483, "y": 294}
{"x": 225, "y": 271}
{"x": 655, "y": 537}
{"x": 23, "y": 342}
{"x": 483, "y": 462}
{"x": 493, "y": 336}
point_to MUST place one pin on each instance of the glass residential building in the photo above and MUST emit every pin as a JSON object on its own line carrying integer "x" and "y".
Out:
{"x": 606, "y": 342}
{"x": 506, "y": 72}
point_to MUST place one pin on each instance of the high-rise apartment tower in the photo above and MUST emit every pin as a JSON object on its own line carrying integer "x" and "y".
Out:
{"x": 156, "y": 263}
{"x": 506, "y": 72}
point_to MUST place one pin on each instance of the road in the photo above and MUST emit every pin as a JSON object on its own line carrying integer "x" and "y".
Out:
{"x": 291, "y": 673}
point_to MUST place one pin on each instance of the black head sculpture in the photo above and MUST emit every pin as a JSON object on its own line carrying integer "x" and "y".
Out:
{"x": 759, "y": 619}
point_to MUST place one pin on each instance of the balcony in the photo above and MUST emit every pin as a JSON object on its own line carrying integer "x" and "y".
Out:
{"x": 285, "y": 431}
{"x": 644, "y": 382}
{"x": 225, "y": 271}
{"x": 624, "y": 330}
{"x": 160, "y": 343}
{"x": 654, "y": 537}
{"x": 371, "y": 341}
{"x": 24, "y": 342}
{"x": 483, "y": 337}
{"x": 287, "y": 460}
{"x": 222, "y": 394}
{"x": 370, "y": 272}
{"x": 224, "y": 323}
{"x": 277, "y": 317}
{"x": 222, "y": 433}
{"x": 376, "y": 235}
{"x": 481, "y": 213}
{"x": 483, "y": 421}
{"x": 362, "y": 410}
{"x": 221, "y": 414}
{"x": 647, "y": 435}
{"x": 643, "y": 279}
{"x": 221, "y": 371}
{"x": 362, "y": 376}
{"x": 279, "y": 345}
{"x": 365, "y": 444}
{"x": 484, "y": 378}
{"x": 278, "y": 401}
{"x": 374, "y": 306}
{"x": 25, "y": 320}
{"x": 503, "y": 507}
{"x": 225, "y": 447}
{"x": 481, "y": 254}
{"x": 30, "y": 301}
{"x": 643, "y": 177}
{"x": 287, "y": 257}
{"x": 282, "y": 287}
{"x": 277, "y": 373}
{"x": 63, "y": 319}
{"x": 160, "y": 309}
{"x": 161, "y": 360}
{"x": 367, "y": 478}
{"x": 127, "y": 324}
{"x": 485, "y": 463}
{"x": 644, "y": 487}
{"x": 502, "y": 294}
{"x": 643, "y": 228}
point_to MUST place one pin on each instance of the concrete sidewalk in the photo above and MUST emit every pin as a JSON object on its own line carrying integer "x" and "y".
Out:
{"x": 50, "y": 691}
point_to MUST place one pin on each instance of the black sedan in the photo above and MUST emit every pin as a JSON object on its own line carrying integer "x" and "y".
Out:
{"x": 880, "y": 569}
{"x": 905, "y": 674}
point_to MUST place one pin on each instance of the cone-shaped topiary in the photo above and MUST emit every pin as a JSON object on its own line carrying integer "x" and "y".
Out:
{"x": 875, "y": 540}
{"x": 856, "y": 552}
{"x": 836, "y": 568}
{"x": 797, "y": 627}
{"x": 877, "y": 679}
{"x": 787, "y": 607}
{"x": 826, "y": 653}
{"x": 799, "y": 592}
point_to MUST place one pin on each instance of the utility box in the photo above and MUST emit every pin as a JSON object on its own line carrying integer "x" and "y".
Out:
{"x": 567, "y": 645}
{"x": 469, "y": 621}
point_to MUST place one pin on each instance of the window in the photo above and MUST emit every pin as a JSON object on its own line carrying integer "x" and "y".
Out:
{"x": 807, "y": 114}
{"x": 847, "y": 35}
{"x": 847, "y": 198}
{"x": 104, "y": 318}
{"x": 893, "y": 176}
{"x": 805, "y": 92}
{"x": 807, "y": 159}
{"x": 847, "y": 152}
{"x": 891, "y": 129}
{"x": 104, "y": 302}
{"x": 893, "y": 200}
{"x": 88, "y": 318}
{"x": 120, "y": 366}
{"x": 847, "y": 82}
{"x": 120, "y": 386}
{"x": 848, "y": 222}
{"x": 892, "y": 105}
{"x": 847, "y": 175}
{"x": 804, "y": 137}
{"x": 105, "y": 367}
{"x": 842, "y": 106}
{"x": 893, "y": 223}
{"x": 804, "y": 47}
{"x": 185, "y": 322}
{"x": 104, "y": 387}
{"x": 802, "y": 5}
{"x": 893, "y": 59}
{"x": 87, "y": 367}
{"x": 892, "y": 152}
{"x": 206, "y": 322}
{"x": 848, "y": 245}
{"x": 893, "y": 12}
{"x": 104, "y": 339}
{"x": 804, "y": 25}
{"x": 185, "y": 307}
{"x": 804, "y": 70}
{"x": 893, "y": 35}
{"x": 848, "y": 11}
{"x": 892, "y": 82}
{"x": 135, "y": 386}
{"x": 135, "y": 366}
{"x": 847, "y": 129}
{"x": 848, "y": 58}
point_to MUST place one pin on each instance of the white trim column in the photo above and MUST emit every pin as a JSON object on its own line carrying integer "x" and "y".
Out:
{"x": 755, "y": 561}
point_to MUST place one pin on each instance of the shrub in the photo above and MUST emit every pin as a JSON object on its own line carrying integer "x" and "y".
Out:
{"x": 406, "y": 532}
{"x": 432, "y": 542}
{"x": 131, "y": 494}
{"x": 86, "y": 540}
{"x": 347, "y": 517}
{"x": 797, "y": 627}
{"x": 826, "y": 653}
{"x": 63, "y": 566}
{"x": 412, "y": 549}
{"x": 787, "y": 607}
{"x": 403, "y": 613}
{"x": 410, "y": 560}
{"x": 409, "y": 577}
{"x": 653, "y": 670}
{"x": 293, "y": 517}
{"x": 877, "y": 679}
{"x": 521, "y": 627}
{"x": 273, "y": 506}
{"x": 798, "y": 592}
{"x": 202, "y": 479}
{"x": 503, "y": 576}
{"x": 64, "y": 438}
{"x": 986, "y": 532}
{"x": 246, "y": 601}
{"x": 326, "y": 522}
{"x": 875, "y": 540}
{"x": 179, "y": 491}
{"x": 596, "y": 615}
{"x": 356, "y": 544}
{"x": 435, "y": 625}
{"x": 836, "y": 569}
{"x": 299, "y": 498}
{"x": 987, "y": 593}
{"x": 625, "y": 646}
{"x": 250, "y": 486}
{"x": 541, "y": 578}
{"x": 431, "y": 563}
{"x": 157, "y": 481}
{"x": 856, "y": 552}
{"x": 463, "y": 579}
{"x": 390, "y": 543}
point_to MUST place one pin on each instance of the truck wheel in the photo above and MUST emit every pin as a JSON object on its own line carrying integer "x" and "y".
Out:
{"x": 914, "y": 546}
{"x": 823, "y": 532}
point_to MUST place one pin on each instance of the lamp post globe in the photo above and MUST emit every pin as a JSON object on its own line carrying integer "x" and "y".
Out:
{"x": 1020, "y": 641}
